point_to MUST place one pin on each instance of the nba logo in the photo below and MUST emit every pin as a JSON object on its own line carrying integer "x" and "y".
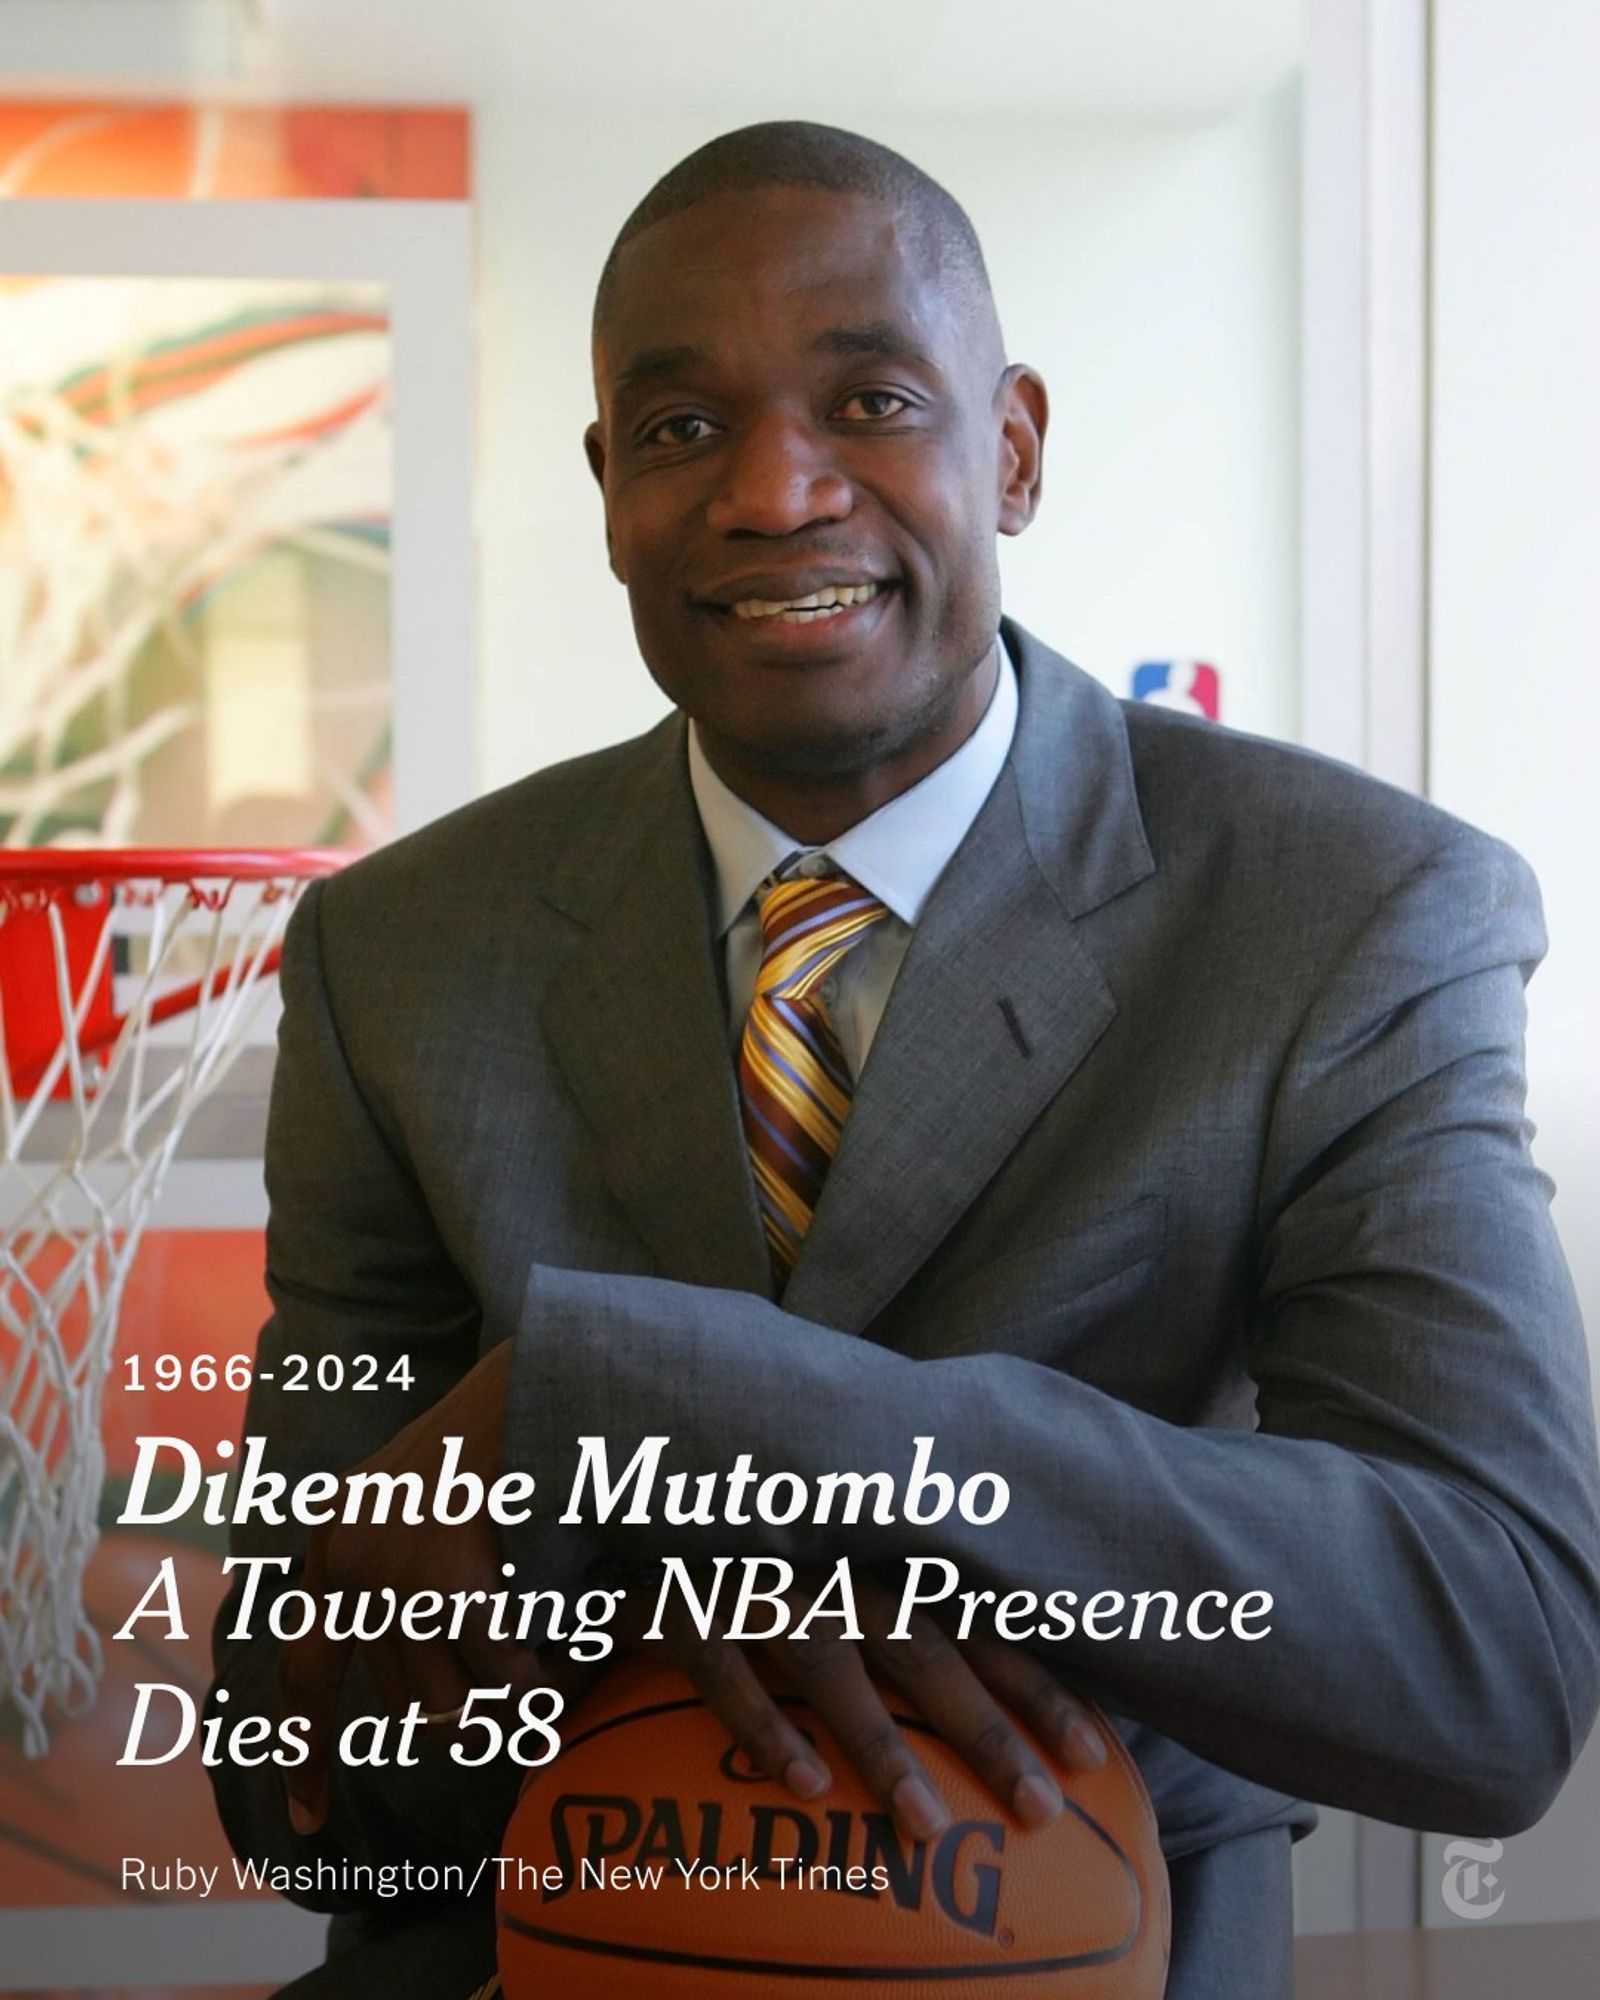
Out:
{"x": 1189, "y": 685}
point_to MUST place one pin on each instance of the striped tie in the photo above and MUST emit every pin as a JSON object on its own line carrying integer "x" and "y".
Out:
{"x": 793, "y": 1079}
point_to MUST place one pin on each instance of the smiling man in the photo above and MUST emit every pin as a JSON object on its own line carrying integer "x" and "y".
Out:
{"x": 802, "y": 1079}
{"x": 811, "y": 561}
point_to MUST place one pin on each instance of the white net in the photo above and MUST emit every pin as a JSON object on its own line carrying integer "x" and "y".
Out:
{"x": 124, "y": 998}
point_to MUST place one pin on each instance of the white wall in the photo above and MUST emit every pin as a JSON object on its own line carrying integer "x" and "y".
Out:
{"x": 1515, "y": 608}
{"x": 1150, "y": 271}
{"x": 1126, "y": 58}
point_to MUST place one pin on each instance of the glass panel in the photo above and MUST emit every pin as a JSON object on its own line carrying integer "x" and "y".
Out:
{"x": 196, "y": 488}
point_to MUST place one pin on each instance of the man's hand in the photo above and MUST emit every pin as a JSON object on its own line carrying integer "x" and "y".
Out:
{"x": 429, "y": 1555}
{"x": 958, "y": 1689}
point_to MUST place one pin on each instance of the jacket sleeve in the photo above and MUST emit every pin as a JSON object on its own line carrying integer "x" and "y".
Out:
{"x": 354, "y": 1266}
{"x": 1420, "y": 1495}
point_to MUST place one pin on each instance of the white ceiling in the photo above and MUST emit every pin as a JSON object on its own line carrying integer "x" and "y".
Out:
{"x": 760, "y": 57}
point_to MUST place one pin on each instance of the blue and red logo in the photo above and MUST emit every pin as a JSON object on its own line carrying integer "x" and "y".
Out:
{"x": 1190, "y": 685}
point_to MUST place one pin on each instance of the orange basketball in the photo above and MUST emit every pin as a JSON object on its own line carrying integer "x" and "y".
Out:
{"x": 652, "y": 1862}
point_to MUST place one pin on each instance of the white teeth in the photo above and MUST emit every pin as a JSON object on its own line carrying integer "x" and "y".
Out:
{"x": 820, "y": 604}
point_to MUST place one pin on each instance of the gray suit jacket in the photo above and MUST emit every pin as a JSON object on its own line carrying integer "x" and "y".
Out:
{"x": 1187, "y": 1185}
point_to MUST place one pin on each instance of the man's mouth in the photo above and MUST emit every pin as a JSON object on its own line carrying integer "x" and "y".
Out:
{"x": 828, "y": 602}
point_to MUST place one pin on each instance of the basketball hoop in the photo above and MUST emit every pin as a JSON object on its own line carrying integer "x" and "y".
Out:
{"x": 129, "y": 982}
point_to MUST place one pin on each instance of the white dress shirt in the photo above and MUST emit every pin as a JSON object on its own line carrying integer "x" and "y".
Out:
{"x": 897, "y": 853}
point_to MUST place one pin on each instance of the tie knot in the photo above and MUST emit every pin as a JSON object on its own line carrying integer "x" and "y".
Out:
{"x": 807, "y": 926}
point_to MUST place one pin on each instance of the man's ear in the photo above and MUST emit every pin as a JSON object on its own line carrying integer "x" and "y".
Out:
{"x": 594, "y": 449}
{"x": 1024, "y": 416}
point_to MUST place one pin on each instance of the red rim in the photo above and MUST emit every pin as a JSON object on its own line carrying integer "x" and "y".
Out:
{"x": 43, "y": 867}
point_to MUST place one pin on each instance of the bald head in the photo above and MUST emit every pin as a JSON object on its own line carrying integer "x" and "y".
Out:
{"x": 795, "y": 154}
{"x": 801, "y": 392}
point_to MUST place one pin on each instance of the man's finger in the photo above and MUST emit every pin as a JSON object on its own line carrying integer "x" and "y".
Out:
{"x": 833, "y": 1678}
{"x": 385, "y": 1664}
{"x": 434, "y": 1675}
{"x": 941, "y": 1684}
{"x": 311, "y": 1673}
{"x": 486, "y": 1662}
{"x": 735, "y": 1695}
{"x": 1027, "y": 1687}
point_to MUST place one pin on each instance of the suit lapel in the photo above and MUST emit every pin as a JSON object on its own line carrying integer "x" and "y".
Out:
{"x": 996, "y": 1005}
{"x": 637, "y": 1024}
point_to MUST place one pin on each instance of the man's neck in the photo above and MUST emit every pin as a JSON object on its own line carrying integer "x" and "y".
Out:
{"x": 816, "y": 807}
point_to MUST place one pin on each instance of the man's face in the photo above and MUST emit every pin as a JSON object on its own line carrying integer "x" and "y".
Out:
{"x": 798, "y": 411}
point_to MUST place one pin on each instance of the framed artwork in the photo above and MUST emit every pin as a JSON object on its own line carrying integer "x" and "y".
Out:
{"x": 118, "y": 149}
{"x": 198, "y": 429}
{"x": 198, "y": 488}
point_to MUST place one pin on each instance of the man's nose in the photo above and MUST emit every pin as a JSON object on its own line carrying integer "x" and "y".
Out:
{"x": 781, "y": 475}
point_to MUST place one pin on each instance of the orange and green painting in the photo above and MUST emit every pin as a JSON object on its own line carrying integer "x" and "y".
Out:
{"x": 196, "y": 491}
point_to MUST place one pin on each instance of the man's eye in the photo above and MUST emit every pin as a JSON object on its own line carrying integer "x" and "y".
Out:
{"x": 874, "y": 405}
{"x": 678, "y": 430}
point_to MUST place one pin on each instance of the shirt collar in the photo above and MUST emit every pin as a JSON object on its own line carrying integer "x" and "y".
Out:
{"x": 896, "y": 853}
